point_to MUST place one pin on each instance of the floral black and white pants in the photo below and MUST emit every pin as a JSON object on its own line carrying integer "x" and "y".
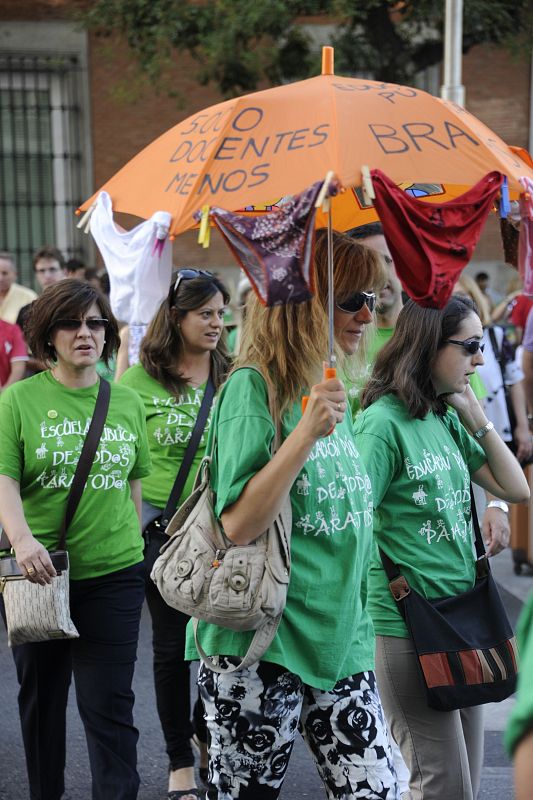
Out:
{"x": 252, "y": 717}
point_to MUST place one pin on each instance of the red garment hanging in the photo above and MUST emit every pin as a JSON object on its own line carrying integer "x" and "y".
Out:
{"x": 431, "y": 243}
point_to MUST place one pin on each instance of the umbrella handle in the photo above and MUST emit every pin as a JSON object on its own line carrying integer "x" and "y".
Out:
{"x": 329, "y": 372}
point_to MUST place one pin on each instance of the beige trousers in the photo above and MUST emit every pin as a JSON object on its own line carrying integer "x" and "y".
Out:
{"x": 443, "y": 750}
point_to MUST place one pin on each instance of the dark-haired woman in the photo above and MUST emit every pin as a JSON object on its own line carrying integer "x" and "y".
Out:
{"x": 182, "y": 347}
{"x": 43, "y": 423}
{"x": 421, "y": 456}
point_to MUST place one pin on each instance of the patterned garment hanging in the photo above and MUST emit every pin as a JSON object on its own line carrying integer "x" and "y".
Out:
{"x": 431, "y": 243}
{"x": 525, "y": 245}
{"x": 275, "y": 249}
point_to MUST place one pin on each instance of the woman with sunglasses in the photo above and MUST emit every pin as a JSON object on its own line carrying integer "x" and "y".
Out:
{"x": 43, "y": 424}
{"x": 182, "y": 347}
{"x": 423, "y": 437}
{"x": 317, "y": 674}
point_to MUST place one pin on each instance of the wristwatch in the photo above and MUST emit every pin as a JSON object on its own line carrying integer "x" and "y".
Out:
{"x": 479, "y": 434}
{"x": 501, "y": 504}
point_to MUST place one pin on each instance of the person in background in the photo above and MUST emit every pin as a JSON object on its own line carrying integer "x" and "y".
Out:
{"x": 388, "y": 306}
{"x": 519, "y": 731}
{"x": 419, "y": 410}
{"x": 182, "y": 347}
{"x": 483, "y": 281}
{"x": 75, "y": 269}
{"x": 13, "y": 354}
{"x": 43, "y": 423}
{"x": 12, "y": 295}
{"x": 131, "y": 337}
{"x": 244, "y": 287}
{"x": 527, "y": 364}
{"x": 317, "y": 674}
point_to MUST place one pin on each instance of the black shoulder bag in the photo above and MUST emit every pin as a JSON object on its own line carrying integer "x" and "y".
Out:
{"x": 465, "y": 645}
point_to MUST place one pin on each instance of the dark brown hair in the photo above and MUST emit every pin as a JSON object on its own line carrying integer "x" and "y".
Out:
{"x": 162, "y": 347}
{"x": 68, "y": 299}
{"x": 403, "y": 366}
{"x": 49, "y": 251}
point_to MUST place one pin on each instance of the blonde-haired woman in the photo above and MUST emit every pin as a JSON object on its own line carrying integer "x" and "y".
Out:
{"x": 318, "y": 672}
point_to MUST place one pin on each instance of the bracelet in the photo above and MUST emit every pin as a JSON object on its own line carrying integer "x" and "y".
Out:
{"x": 501, "y": 504}
{"x": 479, "y": 434}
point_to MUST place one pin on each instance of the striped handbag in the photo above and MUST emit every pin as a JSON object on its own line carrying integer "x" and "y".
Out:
{"x": 465, "y": 644}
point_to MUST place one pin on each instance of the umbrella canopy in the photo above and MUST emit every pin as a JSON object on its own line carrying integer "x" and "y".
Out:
{"x": 250, "y": 150}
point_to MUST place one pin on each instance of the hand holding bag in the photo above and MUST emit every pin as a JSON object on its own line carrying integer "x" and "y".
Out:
{"x": 465, "y": 645}
{"x": 203, "y": 574}
{"x": 36, "y": 613}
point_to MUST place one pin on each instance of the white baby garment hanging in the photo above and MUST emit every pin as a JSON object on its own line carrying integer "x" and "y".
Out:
{"x": 139, "y": 269}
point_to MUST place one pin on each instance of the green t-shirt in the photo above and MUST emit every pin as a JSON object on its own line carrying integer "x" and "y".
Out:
{"x": 420, "y": 472}
{"x": 521, "y": 720}
{"x": 169, "y": 422}
{"x": 325, "y": 633}
{"x": 43, "y": 425}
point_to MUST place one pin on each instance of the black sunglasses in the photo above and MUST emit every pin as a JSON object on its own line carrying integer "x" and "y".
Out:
{"x": 470, "y": 345}
{"x": 94, "y": 324}
{"x": 354, "y": 303}
{"x": 189, "y": 274}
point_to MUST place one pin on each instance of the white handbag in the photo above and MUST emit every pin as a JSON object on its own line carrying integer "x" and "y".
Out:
{"x": 36, "y": 613}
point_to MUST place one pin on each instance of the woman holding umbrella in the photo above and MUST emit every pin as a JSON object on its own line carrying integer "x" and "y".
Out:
{"x": 318, "y": 672}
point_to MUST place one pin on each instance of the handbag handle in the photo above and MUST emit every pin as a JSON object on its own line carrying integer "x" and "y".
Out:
{"x": 190, "y": 452}
{"x": 86, "y": 458}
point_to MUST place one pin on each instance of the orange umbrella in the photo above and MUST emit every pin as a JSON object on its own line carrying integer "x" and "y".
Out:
{"x": 262, "y": 146}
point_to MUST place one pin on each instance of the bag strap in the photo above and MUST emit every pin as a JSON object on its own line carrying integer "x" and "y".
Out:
{"x": 261, "y": 641}
{"x": 87, "y": 455}
{"x": 190, "y": 452}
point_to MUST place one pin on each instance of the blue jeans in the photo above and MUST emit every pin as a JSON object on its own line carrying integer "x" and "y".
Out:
{"x": 106, "y": 611}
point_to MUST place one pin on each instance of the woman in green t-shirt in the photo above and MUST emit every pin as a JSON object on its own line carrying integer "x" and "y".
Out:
{"x": 317, "y": 674}
{"x": 43, "y": 424}
{"x": 421, "y": 456}
{"x": 181, "y": 348}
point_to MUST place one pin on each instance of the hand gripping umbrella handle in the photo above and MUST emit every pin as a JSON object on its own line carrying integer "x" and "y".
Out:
{"x": 329, "y": 372}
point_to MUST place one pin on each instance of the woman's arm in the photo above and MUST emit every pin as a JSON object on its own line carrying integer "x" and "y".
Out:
{"x": 122, "y": 354}
{"x": 502, "y": 475}
{"x": 30, "y": 554}
{"x": 136, "y": 496}
{"x": 521, "y": 433}
{"x": 263, "y": 495}
{"x": 523, "y": 768}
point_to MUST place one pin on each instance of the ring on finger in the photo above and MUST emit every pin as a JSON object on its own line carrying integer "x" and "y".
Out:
{"x": 339, "y": 406}
{"x": 30, "y": 570}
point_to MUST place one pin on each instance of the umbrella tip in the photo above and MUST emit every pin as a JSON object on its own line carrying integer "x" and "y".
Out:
{"x": 328, "y": 54}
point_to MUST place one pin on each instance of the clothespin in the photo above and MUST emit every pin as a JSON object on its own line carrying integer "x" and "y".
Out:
{"x": 204, "y": 234}
{"x": 85, "y": 221}
{"x": 323, "y": 195}
{"x": 367, "y": 186}
{"x": 505, "y": 203}
{"x": 161, "y": 233}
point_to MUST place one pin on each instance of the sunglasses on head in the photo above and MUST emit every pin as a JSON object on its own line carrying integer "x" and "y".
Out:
{"x": 470, "y": 345}
{"x": 94, "y": 324}
{"x": 354, "y": 303}
{"x": 189, "y": 274}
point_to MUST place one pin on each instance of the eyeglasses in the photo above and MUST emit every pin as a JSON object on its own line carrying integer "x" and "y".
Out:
{"x": 93, "y": 323}
{"x": 472, "y": 346}
{"x": 354, "y": 303}
{"x": 189, "y": 274}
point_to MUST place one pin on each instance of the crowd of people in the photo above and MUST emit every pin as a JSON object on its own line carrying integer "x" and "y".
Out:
{"x": 414, "y": 386}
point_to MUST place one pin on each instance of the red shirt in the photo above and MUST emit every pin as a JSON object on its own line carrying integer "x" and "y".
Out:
{"x": 12, "y": 348}
{"x": 521, "y": 307}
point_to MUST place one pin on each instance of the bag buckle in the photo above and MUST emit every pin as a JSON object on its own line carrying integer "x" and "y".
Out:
{"x": 399, "y": 588}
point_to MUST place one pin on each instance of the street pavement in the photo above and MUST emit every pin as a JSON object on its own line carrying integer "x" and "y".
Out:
{"x": 301, "y": 781}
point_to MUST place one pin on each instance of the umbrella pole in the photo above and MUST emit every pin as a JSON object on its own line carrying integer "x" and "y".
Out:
{"x": 331, "y": 295}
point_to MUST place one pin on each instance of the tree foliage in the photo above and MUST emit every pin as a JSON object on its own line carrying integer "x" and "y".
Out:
{"x": 241, "y": 44}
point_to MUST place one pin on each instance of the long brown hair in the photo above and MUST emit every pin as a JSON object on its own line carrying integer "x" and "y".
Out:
{"x": 162, "y": 347}
{"x": 290, "y": 342}
{"x": 403, "y": 366}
